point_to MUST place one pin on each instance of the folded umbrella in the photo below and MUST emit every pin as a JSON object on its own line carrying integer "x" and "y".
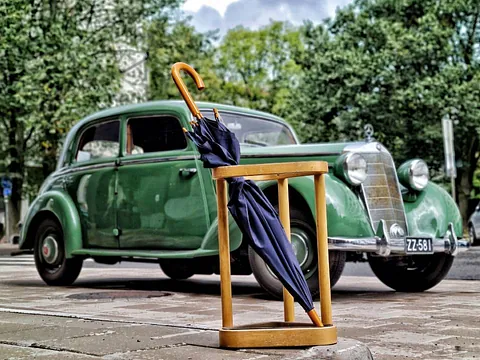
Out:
{"x": 254, "y": 214}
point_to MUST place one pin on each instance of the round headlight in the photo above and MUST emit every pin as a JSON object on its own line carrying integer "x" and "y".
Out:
{"x": 418, "y": 174}
{"x": 352, "y": 167}
{"x": 414, "y": 174}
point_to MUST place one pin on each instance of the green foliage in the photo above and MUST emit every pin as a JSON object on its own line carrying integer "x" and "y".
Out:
{"x": 400, "y": 66}
{"x": 169, "y": 42}
{"x": 58, "y": 62}
{"x": 251, "y": 68}
{"x": 259, "y": 65}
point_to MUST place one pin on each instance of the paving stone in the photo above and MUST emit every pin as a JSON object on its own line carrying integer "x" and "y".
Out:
{"x": 188, "y": 352}
{"x": 12, "y": 352}
{"x": 442, "y": 323}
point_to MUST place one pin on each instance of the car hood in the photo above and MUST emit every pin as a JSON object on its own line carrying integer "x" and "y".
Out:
{"x": 329, "y": 151}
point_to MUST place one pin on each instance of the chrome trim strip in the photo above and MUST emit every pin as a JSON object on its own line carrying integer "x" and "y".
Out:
{"x": 70, "y": 170}
{"x": 257, "y": 156}
{"x": 121, "y": 162}
{"x": 126, "y": 161}
{"x": 384, "y": 246}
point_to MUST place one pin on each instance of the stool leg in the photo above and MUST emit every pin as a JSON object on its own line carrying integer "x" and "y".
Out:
{"x": 224, "y": 254}
{"x": 284, "y": 212}
{"x": 322, "y": 246}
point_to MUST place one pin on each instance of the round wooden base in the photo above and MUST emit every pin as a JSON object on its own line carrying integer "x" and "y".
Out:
{"x": 277, "y": 334}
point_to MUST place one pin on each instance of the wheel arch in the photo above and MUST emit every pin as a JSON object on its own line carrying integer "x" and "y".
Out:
{"x": 59, "y": 206}
{"x": 35, "y": 222}
{"x": 295, "y": 199}
{"x": 432, "y": 211}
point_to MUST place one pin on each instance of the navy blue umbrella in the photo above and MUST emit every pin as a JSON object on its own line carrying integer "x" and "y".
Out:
{"x": 254, "y": 214}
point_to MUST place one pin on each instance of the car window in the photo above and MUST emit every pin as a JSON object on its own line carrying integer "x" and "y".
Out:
{"x": 153, "y": 134}
{"x": 99, "y": 141}
{"x": 254, "y": 131}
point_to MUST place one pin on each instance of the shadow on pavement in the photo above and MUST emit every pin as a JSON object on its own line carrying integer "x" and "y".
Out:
{"x": 193, "y": 286}
{"x": 240, "y": 288}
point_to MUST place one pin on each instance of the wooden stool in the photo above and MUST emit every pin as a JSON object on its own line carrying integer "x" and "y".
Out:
{"x": 287, "y": 333}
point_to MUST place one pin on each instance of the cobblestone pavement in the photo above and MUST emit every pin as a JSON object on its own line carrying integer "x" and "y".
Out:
{"x": 138, "y": 313}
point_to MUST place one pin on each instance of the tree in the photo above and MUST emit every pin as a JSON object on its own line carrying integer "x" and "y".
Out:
{"x": 169, "y": 42}
{"x": 401, "y": 66}
{"x": 258, "y": 66}
{"x": 58, "y": 62}
{"x": 251, "y": 68}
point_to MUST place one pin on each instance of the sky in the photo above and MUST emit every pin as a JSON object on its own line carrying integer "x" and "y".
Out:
{"x": 226, "y": 14}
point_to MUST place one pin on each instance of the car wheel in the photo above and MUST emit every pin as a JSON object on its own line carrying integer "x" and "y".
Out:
{"x": 304, "y": 245}
{"x": 49, "y": 253}
{"x": 472, "y": 234}
{"x": 177, "y": 269}
{"x": 411, "y": 273}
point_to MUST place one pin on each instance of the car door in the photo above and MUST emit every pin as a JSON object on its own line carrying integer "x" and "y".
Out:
{"x": 161, "y": 192}
{"x": 91, "y": 181}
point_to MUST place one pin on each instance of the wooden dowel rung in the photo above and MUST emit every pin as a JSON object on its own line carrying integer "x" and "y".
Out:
{"x": 224, "y": 254}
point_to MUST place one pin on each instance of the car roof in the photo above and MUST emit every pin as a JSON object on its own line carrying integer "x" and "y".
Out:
{"x": 157, "y": 105}
{"x": 172, "y": 104}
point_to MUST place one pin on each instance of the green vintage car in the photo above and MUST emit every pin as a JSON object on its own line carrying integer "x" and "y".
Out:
{"x": 130, "y": 187}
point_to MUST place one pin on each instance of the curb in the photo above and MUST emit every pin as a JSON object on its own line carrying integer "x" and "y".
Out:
{"x": 7, "y": 249}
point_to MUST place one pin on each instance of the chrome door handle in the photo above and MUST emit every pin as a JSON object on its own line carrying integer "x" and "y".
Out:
{"x": 187, "y": 172}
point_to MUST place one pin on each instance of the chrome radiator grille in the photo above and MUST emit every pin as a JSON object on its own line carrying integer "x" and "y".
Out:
{"x": 381, "y": 191}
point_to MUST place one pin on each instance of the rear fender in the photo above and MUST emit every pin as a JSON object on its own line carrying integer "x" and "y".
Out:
{"x": 60, "y": 206}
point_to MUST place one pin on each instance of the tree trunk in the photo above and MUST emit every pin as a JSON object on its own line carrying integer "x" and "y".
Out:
{"x": 49, "y": 162}
{"x": 464, "y": 181}
{"x": 15, "y": 171}
{"x": 464, "y": 188}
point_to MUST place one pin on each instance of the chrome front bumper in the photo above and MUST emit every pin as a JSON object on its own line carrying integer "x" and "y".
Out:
{"x": 383, "y": 245}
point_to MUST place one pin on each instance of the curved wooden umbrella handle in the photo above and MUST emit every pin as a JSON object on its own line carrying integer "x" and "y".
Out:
{"x": 183, "y": 88}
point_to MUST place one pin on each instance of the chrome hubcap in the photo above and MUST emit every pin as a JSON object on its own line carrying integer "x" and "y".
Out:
{"x": 302, "y": 248}
{"x": 50, "y": 250}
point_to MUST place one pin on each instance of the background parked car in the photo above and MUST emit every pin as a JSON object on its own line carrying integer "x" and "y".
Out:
{"x": 474, "y": 226}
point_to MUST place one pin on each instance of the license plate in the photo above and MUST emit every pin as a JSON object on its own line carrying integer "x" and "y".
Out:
{"x": 418, "y": 245}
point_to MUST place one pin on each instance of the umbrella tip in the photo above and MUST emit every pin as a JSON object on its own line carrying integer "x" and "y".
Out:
{"x": 185, "y": 130}
{"x": 312, "y": 314}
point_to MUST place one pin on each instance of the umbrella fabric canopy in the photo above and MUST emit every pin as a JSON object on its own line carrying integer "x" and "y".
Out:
{"x": 252, "y": 211}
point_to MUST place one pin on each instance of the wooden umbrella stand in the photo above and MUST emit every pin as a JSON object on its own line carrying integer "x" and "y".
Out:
{"x": 287, "y": 333}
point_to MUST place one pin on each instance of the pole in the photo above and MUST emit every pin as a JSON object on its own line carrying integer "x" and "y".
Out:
{"x": 450, "y": 168}
{"x": 452, "y": 180}
{"x": 7, "y": 220}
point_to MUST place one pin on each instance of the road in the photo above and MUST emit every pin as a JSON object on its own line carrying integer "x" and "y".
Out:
{"x": 465, "y": 267}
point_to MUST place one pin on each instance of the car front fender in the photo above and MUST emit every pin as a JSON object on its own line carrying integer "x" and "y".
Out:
{"x": 346, "y": 215}
{"x": 431, "y": 212}
{"x": 56, "y": 204}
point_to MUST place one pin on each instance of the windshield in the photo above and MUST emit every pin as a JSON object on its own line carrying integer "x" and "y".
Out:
{"x": 254, "y": 131}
